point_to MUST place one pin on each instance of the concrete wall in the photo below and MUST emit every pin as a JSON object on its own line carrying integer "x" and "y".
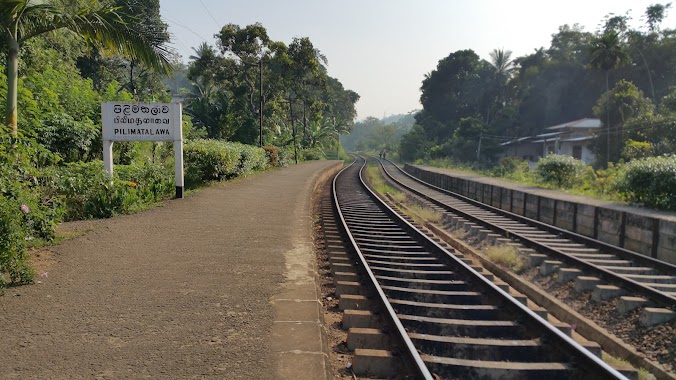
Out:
{"x": 653, "y": 236}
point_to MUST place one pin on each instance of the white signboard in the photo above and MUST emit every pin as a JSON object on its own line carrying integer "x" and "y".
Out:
{"x": 141, "y": 121}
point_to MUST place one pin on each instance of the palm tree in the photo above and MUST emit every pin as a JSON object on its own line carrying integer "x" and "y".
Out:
{"x": 607, "y": 54}
{"x": 501, "y": 60}
{"x": 103, "y": 27}
{"x": 503, "y": 66}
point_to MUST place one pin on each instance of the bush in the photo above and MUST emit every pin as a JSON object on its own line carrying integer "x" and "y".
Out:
{"x": 25, "y": 212}
{"x": 313, "y": 154}
{"x": 650, "y": 180}
{"x": 87, "y": 191}
{"x": 153, "y": 181}
{"x": 13, "y": 257}
{"x": 252, "y": 158}
{"x": 210, "y": 160}
{"x": 637, "y": 149}
{"x": 213, "y": 160}
{"x": 286, "y": 156}
{"x": 560, "y": 171}
{"x": 511, "y": 167}
{"x": 272, "y": 155}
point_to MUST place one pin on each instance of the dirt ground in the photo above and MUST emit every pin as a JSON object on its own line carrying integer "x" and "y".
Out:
{"x": 179, "y": 291}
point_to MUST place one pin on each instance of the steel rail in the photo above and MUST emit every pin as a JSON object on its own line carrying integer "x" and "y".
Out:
{"x": 579, "y": 238}
{"x": 421, "y": 368}
{"x": 654, "y": 294}
{"x": 586, "y": 359}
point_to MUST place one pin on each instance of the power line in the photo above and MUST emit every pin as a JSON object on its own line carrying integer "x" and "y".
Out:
{"x": 186, "y": 28}
{"x": 209, "y": 12}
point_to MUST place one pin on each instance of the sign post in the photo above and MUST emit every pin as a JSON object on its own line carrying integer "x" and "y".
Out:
{"x": 123, "y": 121}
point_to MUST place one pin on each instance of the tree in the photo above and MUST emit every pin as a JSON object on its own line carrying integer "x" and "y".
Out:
{"x": 104, "y": 27}
{"x": 140, "y": 80}
{"x": 607, "y": 54}
{"x": 620, "y": 105}
{"x": 503, "y": 66}
{"x": 655, "y": 14}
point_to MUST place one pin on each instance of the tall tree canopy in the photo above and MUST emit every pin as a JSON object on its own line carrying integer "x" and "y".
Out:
{"x": 551, "y": 85}
{"x": 99, "y": 25}
{"x": 298, "y": 96}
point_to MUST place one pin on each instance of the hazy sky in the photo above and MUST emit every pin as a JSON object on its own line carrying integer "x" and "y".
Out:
{"x": 383, "y": 48}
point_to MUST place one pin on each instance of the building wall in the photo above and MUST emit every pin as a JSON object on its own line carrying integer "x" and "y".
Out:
{"x": 566, "y": 149}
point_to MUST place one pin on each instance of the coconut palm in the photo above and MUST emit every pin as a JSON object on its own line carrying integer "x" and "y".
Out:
{"x": 103, "y": 27}
{"x": 607, "y": 54}
{"x": 503, "y": 66}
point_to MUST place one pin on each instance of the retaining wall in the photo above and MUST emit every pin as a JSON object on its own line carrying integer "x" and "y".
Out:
{"x": 650, "y": 235}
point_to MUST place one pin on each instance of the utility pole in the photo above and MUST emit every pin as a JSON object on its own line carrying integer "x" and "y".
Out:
{"x": 293, "y": 129}
{"x": 260, "y": 106}
{"x": 478, "y": 151}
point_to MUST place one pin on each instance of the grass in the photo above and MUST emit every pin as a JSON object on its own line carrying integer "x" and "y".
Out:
{"x": 616, "y": 362}
{"x": 507, "y": 257}
{"x": 421, "y": 214}
{"x": 417, "y": 213}
{"x": 379, "y": 185}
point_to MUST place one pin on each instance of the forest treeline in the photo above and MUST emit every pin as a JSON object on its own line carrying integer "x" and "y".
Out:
{"x": 624, "y": 76}
{"x": 63, "y": 80}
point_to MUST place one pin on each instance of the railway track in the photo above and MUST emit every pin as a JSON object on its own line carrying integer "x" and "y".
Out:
{"x": 450, "y": 321}
{"x": 643, "y": 276}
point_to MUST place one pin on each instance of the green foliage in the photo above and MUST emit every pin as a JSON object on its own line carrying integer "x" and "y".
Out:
{"x": 651, "y": 181}
{"x": 225, "y": 98}
{"x": 72, "y": 140}
{"x": 512, "y": 168}
{"x": 26, "y": 213}
{"x": 313, "y": 154}
{"x": 272, "y": 155}
{"x": 87, "y": 191}
{"x": 286, "y": 156}
{"x": 637, "y": 149}
{"x": 560, "y": 171}
{"x": 252, "y": 159}
{"x": 209, "y": 160}
{"x": 213, "y": 160}
{"x": 13, "y": 257}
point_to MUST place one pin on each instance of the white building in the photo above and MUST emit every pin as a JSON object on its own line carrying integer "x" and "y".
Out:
{"x": 568, "y": 139}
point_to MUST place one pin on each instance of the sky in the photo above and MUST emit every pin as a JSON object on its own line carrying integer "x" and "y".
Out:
{"x": 382, "y": 49}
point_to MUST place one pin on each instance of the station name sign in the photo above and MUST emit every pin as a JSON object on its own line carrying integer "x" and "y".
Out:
{"x": 141, "y": 121}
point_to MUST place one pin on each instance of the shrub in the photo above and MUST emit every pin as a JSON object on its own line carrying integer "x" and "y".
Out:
{"x": 650, "y": 180}
{"x": 561, "y": 171}
{"x": 286, "y": 156}
{"x": 87, "y": 191}
{"x": 637, "y": 149}
{"x": 210, "y": 160}
{"x": 272, "y": 155}
{"x": 71, "y": 139}
{"x": 25, "y": 212}
{"x": 313, "y": 154}
{"x": 13, "y": 257}
{"x": 511, "y": 167}
{"x": 252, "y": 158}
{"x": 153, "y": 181}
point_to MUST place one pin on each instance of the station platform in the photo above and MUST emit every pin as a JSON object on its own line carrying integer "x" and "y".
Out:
{"x": 221, "y": 284}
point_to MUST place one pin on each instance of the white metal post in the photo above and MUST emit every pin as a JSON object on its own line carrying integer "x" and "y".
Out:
{"x": 108, "y": 156}
{"x": 178, "y": 150}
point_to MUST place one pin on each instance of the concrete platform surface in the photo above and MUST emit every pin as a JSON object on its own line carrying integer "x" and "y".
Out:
{"x": 221, "y": 284}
